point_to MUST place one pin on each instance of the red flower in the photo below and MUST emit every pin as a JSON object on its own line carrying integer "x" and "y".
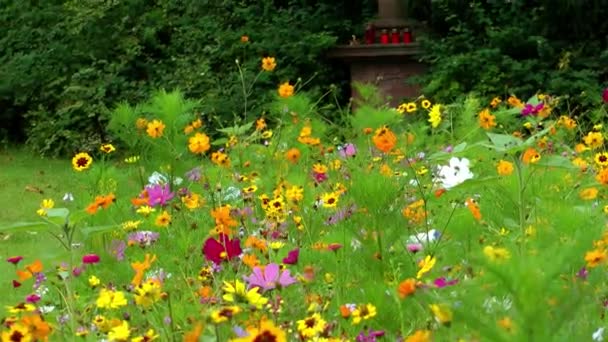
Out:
{"x": 16, "y": 284}
{"x": 222, "y": 249}
{"x": 90, "y": 259}
{"x": 605, "y": 95}
{"x": 292, "y": 257}
{"x": 14, "y": 260}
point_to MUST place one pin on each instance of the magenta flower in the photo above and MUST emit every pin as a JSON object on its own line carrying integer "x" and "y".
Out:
{"x": 33, "y": 298}
{"x": 90, "y": 259}
{"x": 414, "y": 247}
{"x": 14, "y": 260}
{"x": 532, "y": 109}
{"x": 159, "y": 194}
{"x": 292, "y": 257}
{"x": 442, "y": 282}
{"x": 371, "y": 336}
{"x": 270, "y": 277}
{"x": 222, "y": 249}
{"x": 605, "y": 95}
{"x": 348, "y": 150}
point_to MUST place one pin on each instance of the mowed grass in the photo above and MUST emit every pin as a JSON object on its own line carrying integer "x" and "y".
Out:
{"x": 26, "y": 179}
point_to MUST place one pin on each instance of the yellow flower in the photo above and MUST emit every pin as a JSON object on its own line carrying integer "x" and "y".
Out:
{"x": 595, "y": 257}
{"x": 145, "y": 210}
{"x": 286, "y": 90}
{"x": 82, "y": 161}
{"x": 199, "y": 143}
{"x": 131, "y": 225}
{"x": 486, "y": 119}
{"x": 107, "y": 148}
{"x": 224, "y": 314}
{"x": 155, "y": 129}
{"x": 237, "y": 293}
{"x": 504, "y": 168}
{"x": 191, "y": 201}
{"x": 601, "y": 159}
{"x": 426, "y": 104}
{"x": 267, "y": 134}
{"x": 496, "y": 253}
{"x": 19, "y": 308}
{"x": 495, "y": 102}
{"x": 330, "y": 200}
{"x": 419, "y": 336}
{"x": 94, "y": 281}
{"x": 110, "y": 299}
{"x": 425, "y": 265}
{"x": 150, "y": 335}
{"x": 147, "y": 293}
{"x": 588, "y": 194}
{"x": 410, "y": 107}
{"x": 435, "y": 116}
{"x": 594, "y": 140}
{"x": 401, "y": 108}
{"x": 163, "y": 219}
{"x": 311, "y": 326}
{"x": 442, "y": 313}
{"x": 295, "y": 193}
{"x": 506, "y": 323}
{"x": 17, "y": 332}
{"x": 263, "y": 331}
{"x": 363, "y": 312}
{"x": 47, "y": 203}
{"x": 120, "y": 332}
{"x": 268, "y": 63}
{"x": 276, "y": 245}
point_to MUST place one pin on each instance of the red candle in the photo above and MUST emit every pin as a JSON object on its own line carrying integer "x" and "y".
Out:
{"x": 395, "y": 36}
{"x": 384, "y": 37}
{"x": 370, "y": 34}
{"x": 407, "y": 36}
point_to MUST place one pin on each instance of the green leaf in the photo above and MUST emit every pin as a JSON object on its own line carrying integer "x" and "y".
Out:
{"x": 87, "y": 231}
{"x": 504, "y": 142}
{"x": 25, "y": 227}
{"x": 58, "y": 212}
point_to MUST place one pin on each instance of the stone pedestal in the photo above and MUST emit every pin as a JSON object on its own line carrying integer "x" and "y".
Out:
{"x": 387, "y": 66}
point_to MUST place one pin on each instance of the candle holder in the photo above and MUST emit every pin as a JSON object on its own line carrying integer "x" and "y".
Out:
{"x": 407, "y": 36}
{"x": 395, "y": 36}
{"x": 384, "y": 37}
{"x": 370, "y": 34}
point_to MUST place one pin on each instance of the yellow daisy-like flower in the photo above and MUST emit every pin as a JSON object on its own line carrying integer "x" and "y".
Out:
{"x": 495, "y": 102}
{"x": 268, "y": 63}
{"x": 94, "y": 281}
{"x": 110, "y": 299}
{"x": 426, "y": 104}
{"x": 163, "y": 219}
{"x": 82, "y": 161}
{"x": 155, "y": 129}
{"x": 150, "y": 335}
{"x": 286, "y": 90}
{"x": 442, "y": 313}
{"x": 237, "y": 293}
{"x": 401, "y": 108}
{"x": 199, "y": 143}
{"x": 410, "y": 107}
{"x": 330, "y": 200}
{"x": 47, "y": 203}
{"x": 588, "y": 194}
{"x": 266, "y": 134}
{"x": 224, "y": 314}
{"x": 131, "y": 225}
{"x": 363, "y": 312}
{"x": 496, "y": 253}
{"x": 264, "y": 331}
{"x": 145, "y": 210}
{"x": 594, "y": 140}
{"x": 601, "y": 159}
{"x": 148, "y": 293}
{"x": 120, "y": 332}
{"x": 107, "y": 148}
{"x": 311, "y": 326}
{"x": 192, "y": 201}
{"x": 425, "y": 265}
{"x": 435, "y": 116}
{"x": 504, "y": 168}
{"x": 17, "y": 332}
{"x": 595, "y": 257}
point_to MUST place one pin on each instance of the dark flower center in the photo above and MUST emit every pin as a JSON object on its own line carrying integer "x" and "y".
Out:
{"x": 82, "y": 162}
{"x": 265, "y": 336}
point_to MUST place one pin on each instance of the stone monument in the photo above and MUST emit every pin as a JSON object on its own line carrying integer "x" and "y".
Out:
{"x": 387, "y": 55}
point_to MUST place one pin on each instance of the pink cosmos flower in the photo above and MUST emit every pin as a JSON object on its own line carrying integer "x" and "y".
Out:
{"x": 221, "y": 249}
{"x": 270, "y": 277}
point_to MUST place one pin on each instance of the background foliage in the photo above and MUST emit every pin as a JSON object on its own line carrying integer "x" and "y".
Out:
{"x": 497, "y": 48}
{"x": 66, "y": 63}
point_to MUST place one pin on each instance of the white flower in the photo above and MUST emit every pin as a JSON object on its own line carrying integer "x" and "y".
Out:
{"x": 598, "y": 335}
{"x": 68, "y": 197}
{"x": 232, "y": 193}
{"x": 46, "y": 309}
{"x": 455, "y": 173}
{"x": 424, "y": 238}
{"x": 157, "y": 178}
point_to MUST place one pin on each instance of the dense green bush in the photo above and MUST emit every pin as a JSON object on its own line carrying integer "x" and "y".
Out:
{"x": 497, "y": 48}
{"x": 66, "y": 63}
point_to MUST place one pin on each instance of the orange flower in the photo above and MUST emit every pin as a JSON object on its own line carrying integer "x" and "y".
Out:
{"x": 30, "y": 270}
{"x": 602, "y": 176}
{"x": 39, "y": 329}
{"x": 486, "y": 119}
{"x": 367, "y": 130}
{"x": 223, "y": 221}
{"x": 530, "y": 156}
{"x": 406, "y": 288}
{"x": 140, "y": 267}
{"x": 194, "y": 334}
{"x": 256, "y": 243}
{"x": 250, "y": 260}
{"x": 344, "y": 311}
{"x": 473, "y": 208}
{"x": 244, "y": 39}
{"x": 293, "y": 155}
{"x": 286, "y": 90}
{"x": 384, "y": 139}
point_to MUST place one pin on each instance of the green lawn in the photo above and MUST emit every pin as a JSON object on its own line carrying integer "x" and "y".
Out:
{"x": 26, "y": 179}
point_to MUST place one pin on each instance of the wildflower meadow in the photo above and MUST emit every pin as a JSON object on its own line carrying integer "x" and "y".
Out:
{"x": 466, "y": 221}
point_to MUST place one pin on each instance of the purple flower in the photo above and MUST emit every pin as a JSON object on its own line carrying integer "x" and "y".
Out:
{"x": 414, "y": 247}
{"x": 582, "y": 273}
{"x": 341, "y": 215}
{"x": 40, "y": 278}
{"x": 270, "y": 277}
{"x": 530, "y": 109}
{"x": 441, "y": 282}
{"x": 159, "y": 194}
{"x": 117, "y": 249}
{"x": 143, "y": 238}
{"x": 348, "y": 150}
{"x": 194, "y": 175}
{"x": 370, "y": 336}
{"x": 77, "y": 271}
{"x": 33, "y": 298}
{"x": 292, "y": 257}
